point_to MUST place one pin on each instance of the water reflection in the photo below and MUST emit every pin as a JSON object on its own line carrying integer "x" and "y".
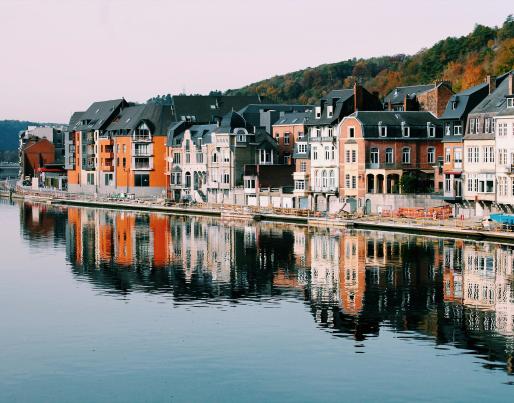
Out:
{"x": 354, "y": 282}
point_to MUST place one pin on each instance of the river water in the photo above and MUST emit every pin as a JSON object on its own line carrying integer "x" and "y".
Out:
{"x": 114, "y": 306}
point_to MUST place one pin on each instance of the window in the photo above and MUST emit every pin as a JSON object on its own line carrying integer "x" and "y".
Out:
{"x": 302, "y": 148}
{"x": 458, "y": 157}
{"x": 316, "y": 178}
{"x": 286, "y": 138}
{"x": 324, "y": 179}
{"x": 124, "y": 162}
{"x": 447, "y": 129}
{"x": 176, "y": 178}
{"x": 330, "y": 132}
{"x": 354, "y": 182}
{"x": 265, "y": 157}
{"x": 457, "y": 130}
{"x": 373, "y": 155}
{"x": 431, "y": 155}
{"x": 303, "y": 166}
{"x": 250, "y": 183}
{"x": 448, "y": 155}
{"x": 241, "y": 136}
{"x": 176, "y": 158}
{"x": 90, "y": 178}
{"x": 354, "y": 155}
{"x": 487, "y": 125}
{"x": 226, "y": 178}
{"x": 188, "y": 157}
{"x": 406, "y": 155}
{"x": 389, "y": 156}
{"x": 142, "y": 180}
{"x": 405, "y": 130}
{"x": 473, "y": 125}
{"x": 347, "y": 181}
{"x": 348, "y": 155}
{"x": 332, "y": 179}
{"x": 382, "y": 130}
{"x": 447, "y": 184}
{"x": 330, "y": 111}
{"x": 510, "y": 102}
{"x": 199, "y": 157}
{"x": 351, "y": 132}
{"x": 430, "y": 130}
{"x": 318, "y": 112}
{"x": 327, "y": 153}
{"x": 287, "y": 159}
{"x": 299, "y": 184}
{"x": 214, "y": 157}
{"x": 314, "y": 153}
{"x": 226, "y": 157}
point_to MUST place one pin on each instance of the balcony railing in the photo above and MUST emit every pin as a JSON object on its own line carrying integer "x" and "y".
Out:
{"x": 395, "y": 165}
{"x": 141, "y": 138}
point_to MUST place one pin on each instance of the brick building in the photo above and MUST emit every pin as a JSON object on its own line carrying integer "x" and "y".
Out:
{"x": 428, "y": 97}
{"x": 378, "y": 148}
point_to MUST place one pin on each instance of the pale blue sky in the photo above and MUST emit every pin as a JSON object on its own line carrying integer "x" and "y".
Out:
{"x": 58, "y": 56}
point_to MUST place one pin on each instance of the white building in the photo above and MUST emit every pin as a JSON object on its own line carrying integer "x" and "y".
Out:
{"x": 504, "y": 134}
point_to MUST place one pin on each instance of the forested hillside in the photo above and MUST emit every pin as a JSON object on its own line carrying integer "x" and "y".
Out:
{"x": 465, "y": 61}
{"x": 9, "y": 130}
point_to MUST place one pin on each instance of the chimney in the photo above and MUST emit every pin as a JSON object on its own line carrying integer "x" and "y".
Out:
{"x": 491, "y": 82}
{"x": 511, "y": 83}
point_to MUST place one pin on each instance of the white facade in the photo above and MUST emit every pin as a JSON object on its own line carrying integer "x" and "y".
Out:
{"x": 504, "y": 133}
{"x": 480, "y": 170}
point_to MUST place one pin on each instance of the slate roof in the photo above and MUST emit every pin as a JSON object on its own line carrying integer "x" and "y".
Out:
{"x": 465, "y": 101}
{"x": 416, "y": 121}
{"x": 157, "y": 117}
{"x": 74, "y": 120}
{"x": 342, "y": 100}
{"x": 291, "y": 118}
{"x": 496, "y": 101}
{"x": 397, "y": 95}
{"x": 99, "y": 114}
{"x": 231, "y": 121}
{"x": 207, "y": 108}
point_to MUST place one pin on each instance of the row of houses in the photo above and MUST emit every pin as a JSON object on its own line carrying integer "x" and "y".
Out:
{"x": 350, "y": 151}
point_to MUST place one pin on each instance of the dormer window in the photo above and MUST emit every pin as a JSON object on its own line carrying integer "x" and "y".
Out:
{"x": 510, "y": 102}
{"x": 430, "y": 130}
{"x": 318, "y": 112}
{"x": 382, "y": 130}
{"x": 454, "y": 104}
{"x": 330, "y": 111}
{"x": 405, "y": 130}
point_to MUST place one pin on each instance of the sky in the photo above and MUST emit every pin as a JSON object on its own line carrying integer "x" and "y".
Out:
{"x": 59, "y": 56}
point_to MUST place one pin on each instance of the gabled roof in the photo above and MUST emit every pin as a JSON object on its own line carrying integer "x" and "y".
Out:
{"x": 397, "y": 95}
{"x": 98, "y": 115}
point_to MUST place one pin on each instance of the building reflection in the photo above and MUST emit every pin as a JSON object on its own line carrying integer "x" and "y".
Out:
{"x": 354, "y": 282}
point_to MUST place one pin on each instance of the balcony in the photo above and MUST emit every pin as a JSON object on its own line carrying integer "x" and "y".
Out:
{"x": 400, "y": 166}
{"x": 509, "y": 169}
{"x": 142, "y": 150}
{"x": 142, "y": 164}
{"x": 324, "y": 189}
{"x": 141, "y": 138}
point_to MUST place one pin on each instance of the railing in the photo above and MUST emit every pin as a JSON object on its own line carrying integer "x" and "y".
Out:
{"x": 395, "y": 165}
{"x": 141, "y": 138}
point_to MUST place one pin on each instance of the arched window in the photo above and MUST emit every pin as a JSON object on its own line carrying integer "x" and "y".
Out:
{"x": 373, "y": 155}
{"x": 316, "y": 178}
{"x": 333, "y": 152}
{"x": 431, "y": 155}
{"x": 406, "y": 155}
{"x": 214, "y": 157}
{"x": 188, "y": 179}
{"x": 332, "y": 179}
{"x": 324, "y": 178}
{"x": 389, "y": 156}
{"x": 327, "y": 153}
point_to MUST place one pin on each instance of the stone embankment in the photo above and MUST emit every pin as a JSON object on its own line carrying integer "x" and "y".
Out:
{"x": 443, "y": 228}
